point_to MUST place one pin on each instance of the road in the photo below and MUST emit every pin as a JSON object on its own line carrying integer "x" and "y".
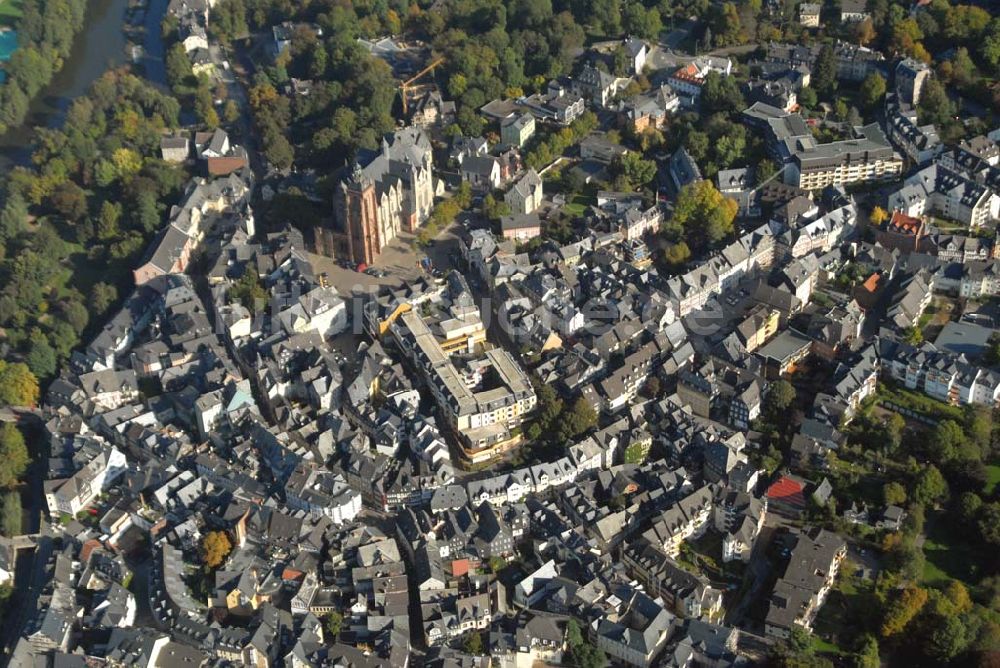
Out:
{"x": 31, "y": 576}
{"x": 27, "y": 578}
{"x": 759, "y": 568}
{"x": 227, "y": 68}
{"x": 667, "y": 53}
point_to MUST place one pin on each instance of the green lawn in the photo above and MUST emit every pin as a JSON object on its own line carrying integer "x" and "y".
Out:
{"x": 948, "y": 557}
{"x": 946, "y": 225}
{"x": 821, "y": 646}
{"x": 919, "y": 403}
{"x": 577, "y": 204}
{"x": 844, "y": 615}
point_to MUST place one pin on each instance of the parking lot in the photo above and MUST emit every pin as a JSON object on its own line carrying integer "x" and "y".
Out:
{"x": 398, "y": 264}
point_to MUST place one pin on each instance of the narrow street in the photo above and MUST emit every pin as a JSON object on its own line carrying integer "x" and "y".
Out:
{"x": 233, "y": 72}
{"x": 758, "y": 571}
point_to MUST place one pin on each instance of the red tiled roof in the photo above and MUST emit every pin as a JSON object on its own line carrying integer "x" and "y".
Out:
{"x": 871, "y": 283}
{"x": 787, "y": 490}
{"x": 689, "y": 73}
{"x": 903, "y": 224}
{"x": 225, "y": 165}
{"x": 459, "y": 567}
{"x": 89, "y": 547}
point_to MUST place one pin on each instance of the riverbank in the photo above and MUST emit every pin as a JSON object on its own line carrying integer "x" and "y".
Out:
{"x": 101, "y": 44}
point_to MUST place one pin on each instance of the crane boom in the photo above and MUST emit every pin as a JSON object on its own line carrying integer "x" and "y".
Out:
{"x": 403, "y": 87}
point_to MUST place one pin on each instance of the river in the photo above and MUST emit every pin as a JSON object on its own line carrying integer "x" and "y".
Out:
{"x": 99, "y": 46}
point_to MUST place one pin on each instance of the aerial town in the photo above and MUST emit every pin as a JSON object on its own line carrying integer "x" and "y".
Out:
{"x": 481, "y": 333}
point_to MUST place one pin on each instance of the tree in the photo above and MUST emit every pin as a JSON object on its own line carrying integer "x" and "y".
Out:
{"x": 964, "y": 73}
{"x": 800, "y": 640}
{"x": 579, "y": 419}
{"x": 497, "y": 564}
{"x": 632, "y": 171}
{"x": 146, "y": 215}
{"x": 726, "y": 23}
{"x": 63, "y": 338}
{"x": 76, "y": 314}
{"x": 765, "y": 170}
{"x": 11, "y": 514}
{"x": 41, "y": 358}
{"x": 70, "y": 200}
{"x": 864, "y": 32}
{"x": 989, "y": 524}
{"x": 703, "y": 213}
{"x": 958, "y": 596}
{"x": 248, "y": 291}
{"x": 946, "y": 442}
{"x": 107, "y": 221}
{"x": 178, "y": 67}
{"x": 643, "y": 22}
{"x": 102, "y": 296}
{"x": 230, "y": 112}
{"x": 967, "y": 508}
{"x": 473, "y": 644}
{"x": 824, "y": 78}
{"x": 493, "y": 209}
{"x": 779, "y": 397}
{"x": 930, "y": 486}
{"x": 840, "y": 109}
{"x": 990, "y": 47}
{"x": 878, "y": 216}
{"x": 13, "y": 217}
{"x": 808, "y": 98}
{"x": 18, "y": 386}
{"x": 333, "y": 623}
{"x": 677, "y": 255}
{"x": 893, "y": 494}
{"x": 979, "y": 427}
{"x": 893, "y": 432}
{"x": 904, "y": 606}
{"x": 947, "y": 638}
{"x": 14, "y": 457}
{"x": 607, "y": 16}
{"x": 721, "y": 94}
{"x": 278, "y": 150}
{"x": 873, "y": 90}
{"x": 127, "y": 162}
{"x": 215, "y": 547}
{"x": 867, "y": 656}
{"x": 574, "y": 636}
{"x": 550, "y": 406}
{"x": 913, "y": 335}
{"x": 204, "y": 106}
{"x": 935, "y": 106}
{"x": 581, "y": 653}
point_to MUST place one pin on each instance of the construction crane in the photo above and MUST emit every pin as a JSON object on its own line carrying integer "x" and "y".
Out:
{"x": 406, "y": 85}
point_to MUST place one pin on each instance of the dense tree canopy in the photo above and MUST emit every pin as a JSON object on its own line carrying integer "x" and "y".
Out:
{"x": 13, "y": 455}
{"x": 703, "y": 213}
{"x": 18, "y": 386}
{"x": 45, "y": 33}
{"x": 11, "y": 514}
{"x": 97, "y": 184}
